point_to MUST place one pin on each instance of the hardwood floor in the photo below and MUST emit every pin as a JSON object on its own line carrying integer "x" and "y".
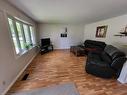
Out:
{"x": 61, "y": 66}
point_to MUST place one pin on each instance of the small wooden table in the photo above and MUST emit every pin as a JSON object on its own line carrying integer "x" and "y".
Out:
{"x": 80, "y": 51}
{"x": 77, "y": 50}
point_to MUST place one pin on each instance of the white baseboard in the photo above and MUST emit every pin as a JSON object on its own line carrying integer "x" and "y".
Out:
{"x": 61, "y": 48}
{"x": 18, "y": 75}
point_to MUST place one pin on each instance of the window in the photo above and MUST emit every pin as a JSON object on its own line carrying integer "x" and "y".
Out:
{"x": 13, "y": 34}
{"x": 27, "y": 34}
{"x": 22, "y": 35}
{"x": 32, "y": 35}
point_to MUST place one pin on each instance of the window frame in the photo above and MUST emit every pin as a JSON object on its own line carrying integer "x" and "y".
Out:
{"x": 10, "y": 32}
{"x": 32, "y": 32}
{"x": 21, "y": 22}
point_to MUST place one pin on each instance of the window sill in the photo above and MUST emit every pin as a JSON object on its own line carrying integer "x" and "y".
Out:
{"x": 24, "y": 52}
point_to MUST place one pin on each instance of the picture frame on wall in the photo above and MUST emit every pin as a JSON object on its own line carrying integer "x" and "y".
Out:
{"x": 64, "y": 34}
{"x": 101, "y": 31}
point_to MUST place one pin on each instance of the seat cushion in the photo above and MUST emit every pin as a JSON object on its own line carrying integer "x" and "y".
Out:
{"x": 105, "y": 57}
{"x": 99, "y": 68}
{"x": 96, "y": 60}
{"x": 92, "y": 56}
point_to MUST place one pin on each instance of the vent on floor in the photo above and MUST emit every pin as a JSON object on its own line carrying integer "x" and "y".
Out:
{"x": 25, "y": 77}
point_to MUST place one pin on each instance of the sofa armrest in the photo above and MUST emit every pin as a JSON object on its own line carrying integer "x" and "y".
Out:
{"x": 118, "y": 63}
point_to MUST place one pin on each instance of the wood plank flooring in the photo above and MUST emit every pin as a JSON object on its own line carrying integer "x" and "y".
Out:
{"x": 61, "y": 66}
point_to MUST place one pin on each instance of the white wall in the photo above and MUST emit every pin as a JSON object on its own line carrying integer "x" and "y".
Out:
{"x": 114, "y": 27}
{"x": 10, "y": 66}
{"x": 53, "y": 31}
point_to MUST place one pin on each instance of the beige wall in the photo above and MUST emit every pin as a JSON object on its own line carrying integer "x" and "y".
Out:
{"x": 10, "y": 66}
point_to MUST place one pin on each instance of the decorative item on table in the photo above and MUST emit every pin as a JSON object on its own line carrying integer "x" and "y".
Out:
{"x": 28, "y": 46}
{"x": 101, "y": 31}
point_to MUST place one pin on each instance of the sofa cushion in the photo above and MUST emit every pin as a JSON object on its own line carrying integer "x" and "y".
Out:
{"x": 94, "y": 44}
{"x": 118, "y": 54}
{"x": 105, "y": 57}
{"x": 113, "y": 52}
{"x": 118, "y": 63}
{"x": 110, "y": 49}
{"x": 100, "y": 63}
{"x": 99, "y": 68}
{"x": 94, "y": 55}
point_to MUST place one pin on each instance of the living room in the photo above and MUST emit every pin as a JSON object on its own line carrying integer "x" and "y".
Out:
{"x": 85, "y": 26}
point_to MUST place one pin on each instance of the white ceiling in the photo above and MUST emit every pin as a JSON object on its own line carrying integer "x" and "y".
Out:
{"x": 71, "y": 11}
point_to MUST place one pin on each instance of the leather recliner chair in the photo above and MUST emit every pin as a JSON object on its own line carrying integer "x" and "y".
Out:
{"x": 105, "y": 64}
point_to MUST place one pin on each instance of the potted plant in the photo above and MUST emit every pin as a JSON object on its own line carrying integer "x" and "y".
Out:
{"x": 27, "y": 46}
